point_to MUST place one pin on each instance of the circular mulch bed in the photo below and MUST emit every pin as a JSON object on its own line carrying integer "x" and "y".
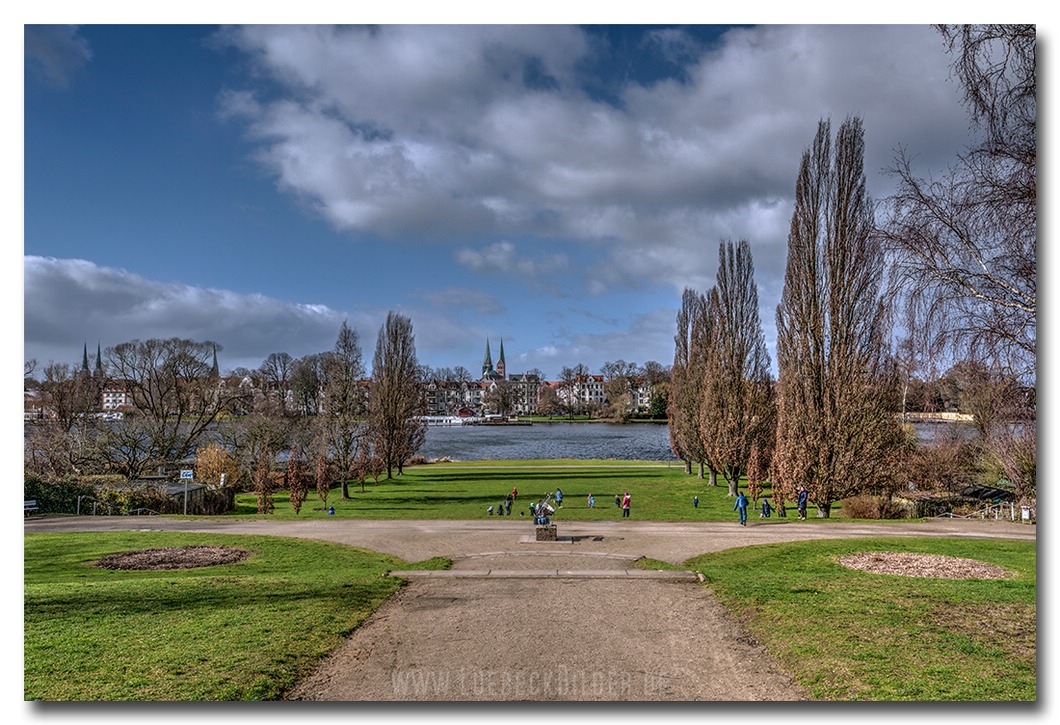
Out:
{"x": 174, "y": 557}
{"x": 931, "y": 566}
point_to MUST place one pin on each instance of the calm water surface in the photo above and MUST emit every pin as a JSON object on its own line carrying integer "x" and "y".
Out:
{"x": 632, "y": 441}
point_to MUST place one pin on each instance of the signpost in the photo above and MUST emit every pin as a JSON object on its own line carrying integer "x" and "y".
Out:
{"x": 186, "y": 474}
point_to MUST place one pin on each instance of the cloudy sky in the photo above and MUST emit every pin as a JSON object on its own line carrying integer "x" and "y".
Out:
{"x": 553, "y": 186}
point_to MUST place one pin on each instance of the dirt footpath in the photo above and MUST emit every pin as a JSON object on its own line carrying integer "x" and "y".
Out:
{"x": 546, "y": 639}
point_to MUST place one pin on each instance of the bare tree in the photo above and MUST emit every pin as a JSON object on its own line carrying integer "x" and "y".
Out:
{"x": 964, "y": 245}
{"x": 683, "y": 411}
{"x": 69, "y": 397}
{"x": 263, "y": 483}
{"x": 569, "y": 378}
{"x": 341, "y": 424}
{"x": 500, "y": 398}
{"x": 323, "y": 474}
{"x": 736, "y": 415}
{"x": 395, "y": 398}
{"x": 834, "y": 431}
{"x": 175, "y": 396}
{"x": 307, "y": 382}
{"x": 297, "y": 479}
{"x": 275, "y": 373}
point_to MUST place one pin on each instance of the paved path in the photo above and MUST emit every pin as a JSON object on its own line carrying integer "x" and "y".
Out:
{"x": 516, "y": 619}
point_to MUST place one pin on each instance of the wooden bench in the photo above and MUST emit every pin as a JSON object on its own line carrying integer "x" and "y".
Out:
{"x": 29, "y": 507}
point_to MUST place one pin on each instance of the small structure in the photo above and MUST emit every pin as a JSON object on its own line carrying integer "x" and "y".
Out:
{"x": 546, "y": 530}
{"x": 546, "y": 533}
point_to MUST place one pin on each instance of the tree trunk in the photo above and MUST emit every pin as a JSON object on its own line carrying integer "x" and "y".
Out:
{"x": 734, "y": 485}
{"x": 699, "y": 474}
{"x": 345, "y": 488}
{"x": 824, "y": 510}
{"x": 713, "y": 477}
{"x": 688, "y": 467}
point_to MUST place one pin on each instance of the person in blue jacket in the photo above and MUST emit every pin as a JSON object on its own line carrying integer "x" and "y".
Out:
{"x": 741, "y": 506}
{"x": 766, "y": 509}
{"x": 804, "y": 496}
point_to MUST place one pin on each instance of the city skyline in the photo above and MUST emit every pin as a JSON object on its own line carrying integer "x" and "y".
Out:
{"x": 555, "y": 185}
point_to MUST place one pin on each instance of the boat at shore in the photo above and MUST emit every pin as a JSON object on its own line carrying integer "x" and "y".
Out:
{"x": 455, "y": 420}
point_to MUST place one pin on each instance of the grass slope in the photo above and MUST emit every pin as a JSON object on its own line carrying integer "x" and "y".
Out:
{"x": 660, "y": 492}
{"x": 852, "y": 635}
{"x": 245, "y": 631}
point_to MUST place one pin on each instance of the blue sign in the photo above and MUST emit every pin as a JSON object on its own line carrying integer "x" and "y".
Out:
{"x": 187, "y": 473}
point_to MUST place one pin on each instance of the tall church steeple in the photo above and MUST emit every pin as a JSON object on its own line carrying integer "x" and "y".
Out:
{"x": 501, "y": 372}
{"x": 487, "y": 362}
{"x": 84, "y": 361}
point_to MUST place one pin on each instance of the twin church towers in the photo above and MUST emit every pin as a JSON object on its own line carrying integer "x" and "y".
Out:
{"x": 488, "y": 370}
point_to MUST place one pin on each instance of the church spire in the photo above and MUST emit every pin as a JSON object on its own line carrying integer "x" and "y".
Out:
{"x": 487, "y": 361}
{"x": 84, "y": 361}
{"x": 501, "y": 368}
{"x": 99, "y": 359}
{"x": 215, "y": 372}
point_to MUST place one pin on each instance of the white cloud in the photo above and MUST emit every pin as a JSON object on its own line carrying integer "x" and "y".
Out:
{"x": 69, "y": 302}
{"x": 439, "y": 132}
{"x": 501, "y": 258}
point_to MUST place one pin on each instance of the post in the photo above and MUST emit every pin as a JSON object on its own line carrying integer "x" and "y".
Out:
{"x": 186, "y": 475}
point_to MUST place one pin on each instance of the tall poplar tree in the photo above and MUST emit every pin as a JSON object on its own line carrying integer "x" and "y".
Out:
{"x": 341, "y": 423}
{"x": 395, "y": 397}
{"x": 737, "y": 406}
{"x": 835, "y": 432}
{"x": 686, "y": 383}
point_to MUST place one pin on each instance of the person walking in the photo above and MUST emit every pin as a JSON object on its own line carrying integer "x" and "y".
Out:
{"x": 592, "y": 501}
{"x": 741, "y": 507}
{"x": 804, "y": 496}
{"x": 515, "y": 493}
{"x": 559, "y": 499}
{"x": 695, "y": 502}
{"x": 625, "y": 505}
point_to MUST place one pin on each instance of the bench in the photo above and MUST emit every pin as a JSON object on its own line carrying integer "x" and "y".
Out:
{"x": 29, "y": 507}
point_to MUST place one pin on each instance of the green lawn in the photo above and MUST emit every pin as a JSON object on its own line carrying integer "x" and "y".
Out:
{"x": 660, "y": 492}
{"x": 851, "y": 635}
{"x": 244, "y": 631}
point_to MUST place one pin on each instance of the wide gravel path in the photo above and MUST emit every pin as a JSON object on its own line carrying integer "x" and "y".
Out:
{"x": 517, "y": 619}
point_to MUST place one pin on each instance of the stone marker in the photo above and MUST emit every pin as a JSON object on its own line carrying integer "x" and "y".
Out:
{"x": 546, "y": 533}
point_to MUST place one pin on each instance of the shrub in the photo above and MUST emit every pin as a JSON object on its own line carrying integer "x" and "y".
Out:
{"x": 55, "y": 497}
{"x": 872, "y": 507}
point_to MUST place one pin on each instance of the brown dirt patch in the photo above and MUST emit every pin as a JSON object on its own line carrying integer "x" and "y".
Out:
{"x": 173, "y": 557}
{"x": 932, "y": 566}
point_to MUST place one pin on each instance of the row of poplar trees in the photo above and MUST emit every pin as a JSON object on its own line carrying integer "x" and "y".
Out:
{"x": 825, "y": 423}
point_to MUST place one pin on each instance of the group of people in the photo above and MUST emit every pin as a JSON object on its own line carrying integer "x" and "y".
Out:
{"x": 505, "y": 507}
{"x": 624, "y": 502}
{"x": 767, "y": 509}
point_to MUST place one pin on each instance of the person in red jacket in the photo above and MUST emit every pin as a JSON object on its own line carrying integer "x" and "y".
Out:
{"x": 625, "y": 505}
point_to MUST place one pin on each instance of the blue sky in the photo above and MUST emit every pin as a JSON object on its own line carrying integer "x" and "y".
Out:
{"x": 555, "y": 186}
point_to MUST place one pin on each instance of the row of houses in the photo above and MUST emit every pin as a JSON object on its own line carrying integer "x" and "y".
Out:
{"x": 524, "y": 395}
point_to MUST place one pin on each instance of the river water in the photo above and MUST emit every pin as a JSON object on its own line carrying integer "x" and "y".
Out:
{"x": 628, "y": 442}
{"x": 631, "y": 441}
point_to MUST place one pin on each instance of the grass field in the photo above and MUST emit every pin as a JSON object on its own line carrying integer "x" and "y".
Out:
{"x": 245, "y": 631}
{"x": 249, "y": 631}
{"x": 852, "y": 635}
{"x": 660, "y": 492}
